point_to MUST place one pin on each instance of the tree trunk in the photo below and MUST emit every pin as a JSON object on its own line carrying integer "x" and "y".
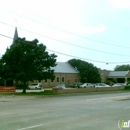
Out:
{"x": 24, "y": 87}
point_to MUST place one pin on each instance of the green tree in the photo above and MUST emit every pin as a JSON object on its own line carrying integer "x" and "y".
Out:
{"x": 1, "y": 68}
{"x": 122, "y": 67}
{"x": 88, "y": 72}
{"x": 27, "y": 61}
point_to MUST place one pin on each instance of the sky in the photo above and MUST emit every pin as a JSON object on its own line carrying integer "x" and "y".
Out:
{"x": 96, "y": 31}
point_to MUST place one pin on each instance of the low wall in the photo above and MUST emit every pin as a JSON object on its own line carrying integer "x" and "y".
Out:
{"x": 78, "y": 90}
{"x": 7, "y": 89}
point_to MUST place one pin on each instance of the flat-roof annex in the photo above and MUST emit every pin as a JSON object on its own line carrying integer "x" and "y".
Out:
{"x": 117, "y": 73}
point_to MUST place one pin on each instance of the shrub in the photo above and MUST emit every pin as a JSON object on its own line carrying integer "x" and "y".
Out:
{"x": 127, "y": 87}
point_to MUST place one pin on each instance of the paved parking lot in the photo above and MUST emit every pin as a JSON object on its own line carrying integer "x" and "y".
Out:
{"x": 77, "y": 112}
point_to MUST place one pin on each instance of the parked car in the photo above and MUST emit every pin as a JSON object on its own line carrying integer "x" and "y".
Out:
{"x": 127, "y": 85}
{"x": 101, "y": 85}
{"x": 119, "y": 84}
{"x": 77, "y": 85}
{"x": 87, "y": 85}
{"x": 60, "y": 86}
{"x": 35, "y": 86}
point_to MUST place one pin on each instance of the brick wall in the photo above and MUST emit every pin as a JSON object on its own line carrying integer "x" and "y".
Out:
{"x": 60, "y": 78}
{"x": 103, "y": 74}
{"x": 78, "y": 90}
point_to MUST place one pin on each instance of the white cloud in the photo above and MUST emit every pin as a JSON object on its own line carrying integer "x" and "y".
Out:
{"x": 90, "y": 29}
{"x": 123, "y": 4}
{"x": 126, "y": 24}
{"x": 80, "y": 29}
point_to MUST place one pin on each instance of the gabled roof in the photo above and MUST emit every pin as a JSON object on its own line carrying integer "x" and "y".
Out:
{"x": 117, "y": 73}
{"x": 15, "y": 35}
{"x": 64, "y": 67}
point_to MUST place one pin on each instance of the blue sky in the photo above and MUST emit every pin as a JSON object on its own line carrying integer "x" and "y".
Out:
{"x": 96, "y": 31}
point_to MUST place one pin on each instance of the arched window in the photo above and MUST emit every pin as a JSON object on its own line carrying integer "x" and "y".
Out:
{"x": 57, "y": 79}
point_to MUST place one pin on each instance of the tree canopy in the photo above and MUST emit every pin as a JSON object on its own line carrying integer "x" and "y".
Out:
{"x": 122, "y": 67}
{"x": 88, "y": 72}
{"x": 26, "y": 61}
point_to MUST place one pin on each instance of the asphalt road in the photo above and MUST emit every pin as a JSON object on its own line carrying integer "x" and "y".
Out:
{"x": 77, "y": 112}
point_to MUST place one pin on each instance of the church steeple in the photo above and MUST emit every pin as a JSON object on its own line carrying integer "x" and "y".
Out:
{"x": 15, "y": 35}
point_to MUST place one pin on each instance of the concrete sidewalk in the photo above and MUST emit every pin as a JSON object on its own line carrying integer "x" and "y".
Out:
{"x": 30, "y": 90}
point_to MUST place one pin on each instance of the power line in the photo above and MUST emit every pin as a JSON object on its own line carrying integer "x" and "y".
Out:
{"x": 67, "y": 42}
{"x": 87, "y": 59}
{"x": 65, "y": 31}
{"x": 36, "y": 15}
{"x": 76, "y": 56}
{"x": 31, "y": 19}
{"x": 6, "y": 36}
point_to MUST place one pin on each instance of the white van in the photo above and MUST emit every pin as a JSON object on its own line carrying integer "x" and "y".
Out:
{"x": 101, "y": 85}
{"x": 85, "y": 85}
{"x": 36, "y": 86}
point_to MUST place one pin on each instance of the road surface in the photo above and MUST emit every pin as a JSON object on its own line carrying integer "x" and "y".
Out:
{"x": 65, "y": 112}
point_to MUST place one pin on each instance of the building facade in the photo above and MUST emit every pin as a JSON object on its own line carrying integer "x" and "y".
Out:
{"x": 64, "y": 74}
{"x": 103, "y": 74}
{"x": 114, "y": 76}
{"x": 119, "y": 76}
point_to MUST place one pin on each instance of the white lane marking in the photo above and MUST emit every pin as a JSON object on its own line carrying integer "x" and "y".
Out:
{"x": 31, "y": 127}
